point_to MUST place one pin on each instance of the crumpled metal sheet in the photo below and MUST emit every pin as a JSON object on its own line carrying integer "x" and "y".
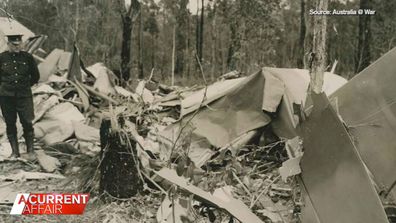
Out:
{"x": 367, "y": 105}
{"x": 49, "y": 65}
{"x": 296, "y": 82}
{"x": 333, "y": 173}
{"x": 233, "y": 206}
{"x": 308, "y": 213}
{"x": 236, "y": 106}
{"x": 213, "y": 92}
{"x": 229, "y": 117}
{"x": 85, "y": 132}
{"x": 8, "y": 193}
{"x": 56, "y": 124}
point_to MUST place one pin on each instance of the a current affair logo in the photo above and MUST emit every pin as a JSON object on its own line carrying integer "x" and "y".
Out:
{"x": 47, "y": 204}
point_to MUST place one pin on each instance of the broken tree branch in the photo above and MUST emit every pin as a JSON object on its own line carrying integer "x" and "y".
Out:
{"x": 242, "y": 184}
{"x": 154, "y": 183}
{"x": 264, "y": 191}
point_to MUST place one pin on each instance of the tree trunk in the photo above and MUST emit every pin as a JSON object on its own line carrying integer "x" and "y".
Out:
{"x": 234, "y": 47}
{"x": 318, "y": 55}
{"x": 330, "y": 43}
{"x": 127, "y": 17}
{"x": 201, "y": 31}
{"x": 153, "y": 47}
{"x": 181, "y": 20}
{"x": 363, "y": 56}
{"x": 197, "y": 32}
{"x": 77, "y": 21}
{"x": 164, "y": 75}
{"x": 126, "y": 47}
{"x": 188, "y": 44}
{"x": 214, "y": 38}
{"x": 173, "y": 55}
{"x": 140, "y": 47}
{"x": 303, "y": 28}
{"x": 309, "y": 20}
{"x": 119, "y": 175}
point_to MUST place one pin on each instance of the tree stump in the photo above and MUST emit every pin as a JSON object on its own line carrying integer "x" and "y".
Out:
{"x": 119, "y": 175}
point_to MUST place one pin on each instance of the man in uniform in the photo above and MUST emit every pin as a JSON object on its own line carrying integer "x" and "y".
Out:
{"x": 18, "y": 72}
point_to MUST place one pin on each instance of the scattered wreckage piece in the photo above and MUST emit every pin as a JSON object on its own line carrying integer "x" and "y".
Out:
{"x": 179, "y": 207}
{"x": 5, "y": 150}
{"x": 85, "y": 132}
{"x": 333, "y": 173}
{"x": 48, "y": 163}
{"x": 213, "y": 92}
{"x": 56, "y": 124}
{"x": 43, "y": 103}
{"x": 23, "y": 175}
{"x": 82, "y": 93}
{"x": 145, "y": 95}
{"x": 105, "y": 78}
{"x": 63, "y": 152}
{"x": 291, "y": 167}
{"x": 34, "y": 43}
{"x": 235, "y": 107}
{"x": 99, "y": 94}
{"x": 7, "y": 193}
{"x": 233, "y": 206}
{"x": 230, "y": 75}
{"x": 54, "y": 63}
{"x": 367, "y": 106}
{"x": 44, "y": 89}
{"x": 74, "y": 71}
{"x": 235, "y": 146}
{"x": 295, "y": 83}
{"x": 125, "y": 93}
{"x": 228, "y": 117}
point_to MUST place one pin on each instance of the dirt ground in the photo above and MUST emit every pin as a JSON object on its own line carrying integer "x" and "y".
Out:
{"x": 256, "y": 178}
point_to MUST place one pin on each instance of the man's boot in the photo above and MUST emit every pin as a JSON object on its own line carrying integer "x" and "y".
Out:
{"x": 14, "y": 147}
{"x": 29, "y": 141}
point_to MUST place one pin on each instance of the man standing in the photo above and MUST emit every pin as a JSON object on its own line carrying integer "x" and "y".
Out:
{"x": 18, "y": 72}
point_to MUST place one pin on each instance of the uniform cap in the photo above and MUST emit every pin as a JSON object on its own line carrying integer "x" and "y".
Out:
{"x": 15, "y": 38}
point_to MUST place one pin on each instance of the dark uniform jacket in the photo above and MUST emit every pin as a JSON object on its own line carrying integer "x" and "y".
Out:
{"x": 18, "y": 72}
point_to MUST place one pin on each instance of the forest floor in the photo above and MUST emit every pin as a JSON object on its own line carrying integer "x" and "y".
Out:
{"x": 137, "y": 209}
{"x": 262, "y": 187}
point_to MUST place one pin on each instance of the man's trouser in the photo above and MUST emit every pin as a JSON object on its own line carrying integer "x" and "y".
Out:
{"x": 23, "y": 107}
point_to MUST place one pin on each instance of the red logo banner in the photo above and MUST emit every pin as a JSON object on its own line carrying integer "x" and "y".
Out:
{"x": 50, "y": 203}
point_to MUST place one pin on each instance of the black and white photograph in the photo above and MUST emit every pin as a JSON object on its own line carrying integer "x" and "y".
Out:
{"x": 198, "y": 111}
